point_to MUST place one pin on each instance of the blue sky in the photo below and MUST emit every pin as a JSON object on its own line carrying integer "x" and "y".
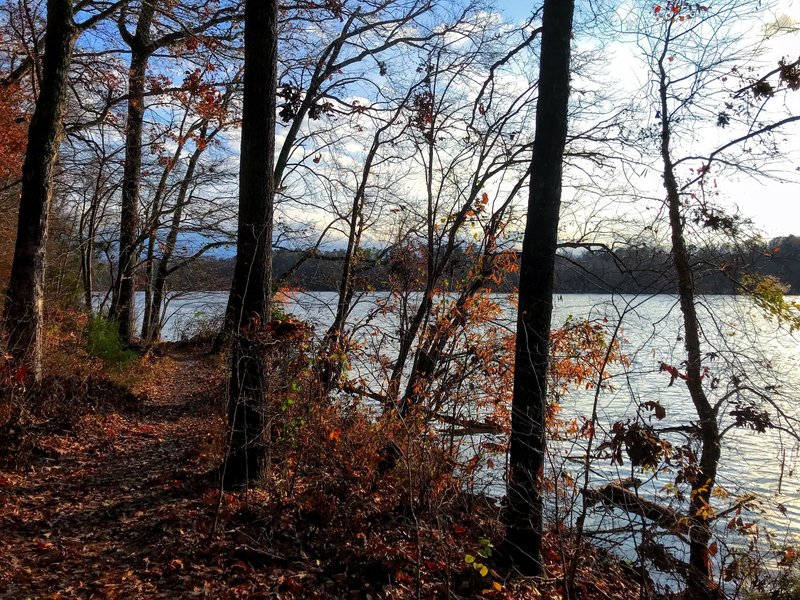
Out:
{"x": 517, "y": 9}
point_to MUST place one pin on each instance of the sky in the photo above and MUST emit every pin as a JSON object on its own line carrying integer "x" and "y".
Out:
{"x": 774, "y": 207}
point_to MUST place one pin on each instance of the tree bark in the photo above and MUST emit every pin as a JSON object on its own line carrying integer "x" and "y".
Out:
{"x": 23, "y": 312}
{"x": 523, "y": 516}
{"x": 250, "y": 291}
{"x": 151, "y": 314}
{"x": 699, "y": 584}
{"x": 123, "y": 305}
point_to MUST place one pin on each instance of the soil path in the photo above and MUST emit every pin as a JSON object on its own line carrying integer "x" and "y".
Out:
{"x": 114, "y": 508}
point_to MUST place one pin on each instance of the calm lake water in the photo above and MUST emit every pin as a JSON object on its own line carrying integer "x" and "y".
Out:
{"x": 740, "y": 341}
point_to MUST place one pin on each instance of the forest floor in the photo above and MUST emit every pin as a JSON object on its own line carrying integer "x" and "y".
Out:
{"x": 113, "y": 507}
{"x": 116, "y": 504}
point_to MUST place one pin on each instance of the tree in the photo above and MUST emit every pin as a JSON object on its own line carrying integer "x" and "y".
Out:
{"x": 701, "y": 62}
{"x": 203, "y": 118}
{"x": 143, "y": 45}
{"x": 14, "y": 117}
{"x": 672, "y": 105}
{"x": 24, "y": 310}
{"x": 321, "y": 66}
{"x": 250, "y": 290}
{"x": 523, "y": 515}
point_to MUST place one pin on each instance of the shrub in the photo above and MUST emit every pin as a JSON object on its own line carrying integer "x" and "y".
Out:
{"x": 103, "y": 342}
{"x": 198, "y": 327}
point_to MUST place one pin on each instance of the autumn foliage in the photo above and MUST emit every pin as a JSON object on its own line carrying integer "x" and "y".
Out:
{"x": 14, "y": 116}
{"x": 14, "y": 119}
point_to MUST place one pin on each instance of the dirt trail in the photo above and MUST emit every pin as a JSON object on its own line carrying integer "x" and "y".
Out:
{"x": 115, "y": 508}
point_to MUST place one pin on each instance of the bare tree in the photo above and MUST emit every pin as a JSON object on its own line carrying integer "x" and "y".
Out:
{"x": 523, "y": 516}
{"x": 143, "y": 43}
{"x": 250, "y": 291}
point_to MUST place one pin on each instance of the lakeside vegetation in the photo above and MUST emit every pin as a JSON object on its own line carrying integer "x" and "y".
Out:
{"x": 624, "y": 270}
{"x": 418, "y": 448}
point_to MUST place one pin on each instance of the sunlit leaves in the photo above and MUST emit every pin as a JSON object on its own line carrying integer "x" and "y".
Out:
{"x": 769, "y": 294}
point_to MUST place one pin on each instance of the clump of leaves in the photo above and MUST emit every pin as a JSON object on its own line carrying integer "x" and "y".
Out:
{"x": 103, "y": 342}
{"x": 642, "y": 444}
{"x": 484, "y": 553}
{"x": 769, "y": 294}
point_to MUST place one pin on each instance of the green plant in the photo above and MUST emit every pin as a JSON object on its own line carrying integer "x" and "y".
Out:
{"x": 484, "y": 552}
{"x": 103, "y": 342}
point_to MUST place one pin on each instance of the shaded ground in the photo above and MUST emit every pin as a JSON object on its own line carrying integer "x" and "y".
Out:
{"x": 115, "y": 508}
{"x": 114, "y": 504}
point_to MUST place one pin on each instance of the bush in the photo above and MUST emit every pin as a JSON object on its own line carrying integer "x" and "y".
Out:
{"x": 103, "y": 342}
{"x": 198, "y": 327}
{"x": 777, "y": 579}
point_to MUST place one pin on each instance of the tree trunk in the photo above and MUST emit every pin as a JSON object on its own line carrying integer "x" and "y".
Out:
{"x": 322, "y": 71}
{"x": 23, "y": 312}
{"x": 151, "y": 314}
{"x": 153, "y": 331}
{"x": 149, "y": 269}
{"x": 334, "y": 342}
{"x": 246, "y": 459}
{"x": 523, "y": 515}
{"x": 123, "y": 305}
{"x": 699, "y": 584}
{"x": 86, "y": 247}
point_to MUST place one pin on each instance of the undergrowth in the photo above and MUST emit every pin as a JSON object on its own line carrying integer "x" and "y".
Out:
{"x": 362, "y": 506}
{"x": 103, "y": 342}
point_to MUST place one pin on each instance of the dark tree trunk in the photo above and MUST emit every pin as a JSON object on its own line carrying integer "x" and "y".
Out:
{"x": 87, "y": 250}
{"x": 87, "y": 271}
{"x": 322, "y": 71}
{"x": 23, "y": 312}
{"x": 699, "y": 584}
{"x": 149, "y": 269}
{"x": 335, "y": 340}
{"x": 123, "y": 306}
{"x": 250, "y": 291}
{"x": 523, "y": 516}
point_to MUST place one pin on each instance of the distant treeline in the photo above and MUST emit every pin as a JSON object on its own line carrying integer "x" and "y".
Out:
{"x": 578, "y": 270}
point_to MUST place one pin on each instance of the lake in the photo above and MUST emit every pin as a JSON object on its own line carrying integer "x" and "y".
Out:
{"x": 738, "y": 337}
